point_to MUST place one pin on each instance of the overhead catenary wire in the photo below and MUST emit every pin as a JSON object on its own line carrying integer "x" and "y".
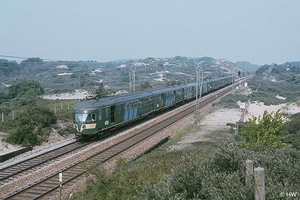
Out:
{"x": 22, "y": 57}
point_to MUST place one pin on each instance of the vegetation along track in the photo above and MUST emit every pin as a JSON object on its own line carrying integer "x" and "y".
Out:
{"x": 49, "y": 184}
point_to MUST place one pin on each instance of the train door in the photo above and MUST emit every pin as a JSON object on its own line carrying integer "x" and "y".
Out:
{"x": 158, "y": 101}
{"x": 169, "y": 98}
{"x": 130, "y": 110}
{"x": 112, "y": 114}
{"x": 105, "y": 116}
{"x": 135, "y": 108}
{"x": 161, "y": 100}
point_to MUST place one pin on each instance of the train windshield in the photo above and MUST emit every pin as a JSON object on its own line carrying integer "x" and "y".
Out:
{"x": 81, "y": 117}
{"x": 85, "y": 117}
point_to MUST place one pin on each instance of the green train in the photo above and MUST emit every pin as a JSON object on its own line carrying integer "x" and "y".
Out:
{"x": 95, "y": 116}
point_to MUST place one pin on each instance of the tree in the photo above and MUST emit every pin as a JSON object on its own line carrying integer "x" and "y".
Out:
{"x": 101, "y": 91}
{"x": 8, "y": 67}
{"x": 20, "y": 89}
{"x": 265, "y": 131}
{"x": 31, "y": 62}
{"x": 145, "y": 85}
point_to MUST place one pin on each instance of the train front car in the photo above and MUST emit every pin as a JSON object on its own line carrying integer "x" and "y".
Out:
{"x": 85, "y": 119}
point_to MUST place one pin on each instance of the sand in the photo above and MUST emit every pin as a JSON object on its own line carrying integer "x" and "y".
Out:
{"x": 216, "y": 122}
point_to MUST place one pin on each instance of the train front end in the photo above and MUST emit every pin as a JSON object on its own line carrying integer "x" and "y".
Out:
{"x": 84, "y": 121}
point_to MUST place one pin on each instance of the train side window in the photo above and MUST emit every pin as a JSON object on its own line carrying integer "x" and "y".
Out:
{"x": 106, "y": 112}
{"x": 100, "y": 114}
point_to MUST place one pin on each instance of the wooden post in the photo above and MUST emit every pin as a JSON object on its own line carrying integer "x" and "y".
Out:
{"x": 13, "y": 115}
{"x": 259, "y": 184}
{"x": 60, "y": 184}
{"x": 249, "y": 172}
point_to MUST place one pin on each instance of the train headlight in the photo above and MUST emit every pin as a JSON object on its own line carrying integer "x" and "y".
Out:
{"x": 75, "y": 126}
{"x": 83, "y": 127}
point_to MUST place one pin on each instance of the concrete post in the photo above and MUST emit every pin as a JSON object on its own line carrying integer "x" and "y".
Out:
{"x": 249, "y": 172}
{"x": 259, "y": 184}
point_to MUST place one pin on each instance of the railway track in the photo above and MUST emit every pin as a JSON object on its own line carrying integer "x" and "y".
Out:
{"x": 26, "y": 166}
{"x": 49, "y": 185}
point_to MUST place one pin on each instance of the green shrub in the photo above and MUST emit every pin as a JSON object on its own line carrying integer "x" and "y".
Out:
{"x": 293, "y": 125}
{"x": 223, "y": 175}
{"x": 265, "y": 131}
{"x": 24, "y": 135}
{"x": 31, "y": 126}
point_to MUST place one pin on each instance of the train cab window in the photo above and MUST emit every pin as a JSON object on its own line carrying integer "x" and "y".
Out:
{"x": 85, "y": 117}
{"x": 81, "y": 117}
{"x": 93, "y": 117}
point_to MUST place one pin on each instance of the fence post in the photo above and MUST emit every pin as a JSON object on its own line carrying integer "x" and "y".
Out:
{"x": 249, "y": 172}
{"x": 259, "y": 183}
{"x": 13, "y": 115}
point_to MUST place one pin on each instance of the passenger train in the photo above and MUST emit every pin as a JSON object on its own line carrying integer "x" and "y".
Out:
{"x": 95, "y": 116}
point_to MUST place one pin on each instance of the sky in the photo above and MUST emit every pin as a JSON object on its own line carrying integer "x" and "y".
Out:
{"x": 257, "y": 31}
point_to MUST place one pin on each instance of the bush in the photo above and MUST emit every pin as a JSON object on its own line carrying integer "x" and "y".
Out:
{"x": 32, "y": 126}
{"x": 293, "y": 125}
{"x": 265, "y": 131}
{"x": 24, "y": 135}
{"x": 222, "y": 176}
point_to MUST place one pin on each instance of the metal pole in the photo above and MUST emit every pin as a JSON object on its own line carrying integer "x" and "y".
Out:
{"x": 132, "y": 79}
{"x": 197, "y": 91}
{"x": 130, "y": 84}
{"x": 198, "y": 82}
{"x": 232, "y": 84}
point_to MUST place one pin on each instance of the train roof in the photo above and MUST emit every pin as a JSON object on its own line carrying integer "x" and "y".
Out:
{"x": 96, "y": 102}
{"x": 105, "y": 101}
